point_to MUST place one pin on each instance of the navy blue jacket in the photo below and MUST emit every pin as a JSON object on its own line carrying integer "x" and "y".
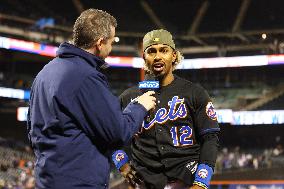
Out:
{"x": 74, "y": 122}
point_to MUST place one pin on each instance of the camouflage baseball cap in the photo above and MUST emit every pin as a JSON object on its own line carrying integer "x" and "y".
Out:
{"x": 158, "y": 37}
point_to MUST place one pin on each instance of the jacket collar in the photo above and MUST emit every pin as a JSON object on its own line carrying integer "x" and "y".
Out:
{"x": 69, "y": 50}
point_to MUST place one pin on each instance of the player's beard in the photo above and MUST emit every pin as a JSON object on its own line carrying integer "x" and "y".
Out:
{"x": 160, "y": 76}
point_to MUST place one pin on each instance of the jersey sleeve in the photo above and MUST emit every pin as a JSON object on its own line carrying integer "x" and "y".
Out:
{"x": 209, "y": 149}
{"x": 205, "y": 114}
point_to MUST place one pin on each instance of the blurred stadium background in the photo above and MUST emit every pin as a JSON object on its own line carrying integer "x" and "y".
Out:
{"x": 233, "y": 48}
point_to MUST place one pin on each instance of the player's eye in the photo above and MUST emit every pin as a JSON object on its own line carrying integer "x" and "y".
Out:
{"x": 165, "y": 50}
{"x": 151, "y": 51}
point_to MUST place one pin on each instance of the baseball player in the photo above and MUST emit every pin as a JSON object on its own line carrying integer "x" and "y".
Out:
{"x": 177, "y": 146}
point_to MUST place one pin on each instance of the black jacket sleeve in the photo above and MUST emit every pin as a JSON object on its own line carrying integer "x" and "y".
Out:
{"x": 99, "y": 113}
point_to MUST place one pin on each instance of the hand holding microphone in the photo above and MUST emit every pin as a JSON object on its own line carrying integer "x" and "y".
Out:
{"x": 151, "y": 85}
{"x": 148, "y": 87}
{"x": 147, "y": 100}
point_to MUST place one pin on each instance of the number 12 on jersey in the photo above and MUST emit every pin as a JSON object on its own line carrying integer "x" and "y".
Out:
{"x": 181, "y": 135}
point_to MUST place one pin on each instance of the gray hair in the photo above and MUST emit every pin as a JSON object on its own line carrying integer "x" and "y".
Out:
{"x": 91, "y": 25}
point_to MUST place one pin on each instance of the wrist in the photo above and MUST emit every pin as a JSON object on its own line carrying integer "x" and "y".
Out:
{"x": 203, "y": 176}
{"x": 119, "y": 159}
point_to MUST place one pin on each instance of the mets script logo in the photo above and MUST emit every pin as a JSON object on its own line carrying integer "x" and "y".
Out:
{"x": 203, "y": 173}
{"x": 210, "y": 111}
{"x": 149, "y": 84}
{"x": 177, "y": 110}
{"x": 119, "y": 157}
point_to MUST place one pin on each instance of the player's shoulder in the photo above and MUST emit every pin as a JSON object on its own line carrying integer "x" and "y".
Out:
{"x": 182, "y": 81}
{"x": 186, "y": 84}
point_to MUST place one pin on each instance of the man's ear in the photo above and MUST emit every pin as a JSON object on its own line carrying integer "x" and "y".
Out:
{"x": 99, "y": 43}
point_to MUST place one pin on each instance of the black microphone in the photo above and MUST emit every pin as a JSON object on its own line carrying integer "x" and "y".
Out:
{"x": 150, "y": 83}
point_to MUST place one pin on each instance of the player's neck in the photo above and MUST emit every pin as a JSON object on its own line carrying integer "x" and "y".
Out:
{"x": 167, "y": 79}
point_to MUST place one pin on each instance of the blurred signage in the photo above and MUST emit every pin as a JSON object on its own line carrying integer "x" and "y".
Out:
{"x": 224, "y": 116}
{"x": 136, "y": 62}
{"x": 258, "y": 117}
{"x": 14, "y": 93}
{"x": 22, "y": 113}
{"x": 221, "y": 62}
{"x": 27, "y": 46}
{"x": 250, "y": 117}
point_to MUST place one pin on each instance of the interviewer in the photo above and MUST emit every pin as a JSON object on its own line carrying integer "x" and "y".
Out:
{"x": 74, "y": 121}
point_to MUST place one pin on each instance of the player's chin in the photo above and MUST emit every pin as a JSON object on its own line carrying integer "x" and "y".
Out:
{"x": 158, "y": 73}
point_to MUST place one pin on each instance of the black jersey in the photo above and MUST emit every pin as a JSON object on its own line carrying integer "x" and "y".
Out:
{"x": 169, "y": 141}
